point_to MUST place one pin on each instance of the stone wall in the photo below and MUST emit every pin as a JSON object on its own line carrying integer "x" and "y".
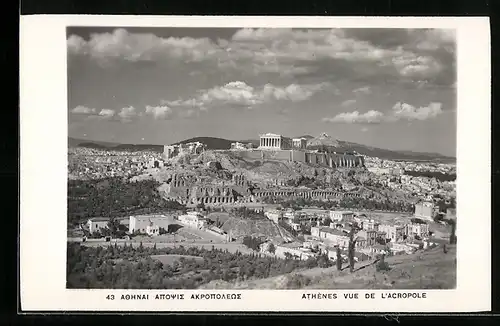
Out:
{"x": 310, "y": 194}
{"x": 323, "y": 159}
{"x": 190, "y": 190}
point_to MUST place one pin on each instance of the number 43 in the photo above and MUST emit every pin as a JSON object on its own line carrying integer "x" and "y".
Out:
{"x": 110, "y": 297}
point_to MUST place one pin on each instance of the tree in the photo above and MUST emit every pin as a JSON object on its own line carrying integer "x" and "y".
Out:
{"x": 271, "y": 248}
{"x": 352, "y": 245}
{"x": 339, "y": 259}
{"x": 453, "y": 237}
{"x": 382, "y": 265}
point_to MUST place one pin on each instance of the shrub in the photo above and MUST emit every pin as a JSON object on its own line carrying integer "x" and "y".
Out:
{"x": 382, "y": 265}
{"x": 297, "y": 281}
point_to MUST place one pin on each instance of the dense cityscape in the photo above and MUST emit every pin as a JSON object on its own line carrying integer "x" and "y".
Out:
{"x": 194, "y": 202}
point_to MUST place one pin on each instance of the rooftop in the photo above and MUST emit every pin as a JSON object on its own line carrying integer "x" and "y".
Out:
{"x": 99, "y": 219}
{"x": 149, "y": 216}
{"x": 332, "y": 231}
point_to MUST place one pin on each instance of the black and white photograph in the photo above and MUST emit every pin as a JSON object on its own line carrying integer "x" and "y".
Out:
{"x": 255, "y": 164}
{"x": 261, "y": 158}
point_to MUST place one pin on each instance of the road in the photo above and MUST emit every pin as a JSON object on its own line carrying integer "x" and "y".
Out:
{"x": 231, "y": 247}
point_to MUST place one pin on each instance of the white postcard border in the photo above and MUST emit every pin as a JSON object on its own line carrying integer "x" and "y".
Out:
{"x": 43, "y": 121}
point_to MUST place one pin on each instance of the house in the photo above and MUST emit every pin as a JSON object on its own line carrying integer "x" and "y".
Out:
{"x": 140, "y": 223}
{"x": 369, "y": 235}
{"x": 415, "y": 229}
{"x": 96, "y": 224}
{"x": 153, "y": 230}
{"x": 367, "y": 224}
{"x": 341, "y": 215}
{"x": 336, "y": 237}
{"x": 274, "y": 215}
{"x": 194, "y": 220}
{"x": 393, "y": 232}
{"x": 401, "y": 248}
{"x": 293, "y": 249}
{"x": 425, "y": 210}
{"x": 376, "y": 249}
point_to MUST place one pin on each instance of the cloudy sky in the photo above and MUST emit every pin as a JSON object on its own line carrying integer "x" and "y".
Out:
{"x": 389, "y": 88}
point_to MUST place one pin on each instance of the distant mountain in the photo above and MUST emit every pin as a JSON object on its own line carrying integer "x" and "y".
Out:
{"x": 306, "y": 137}
{"x": 392, "y": 154}
{"x": 323, "y": 141}
{"x": 211, "y": 142}
{"x": 75, "y": 142}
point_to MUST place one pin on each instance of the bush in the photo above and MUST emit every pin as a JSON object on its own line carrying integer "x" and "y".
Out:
{"x": 382, "y": 265}
{"x": 297, "y": 281}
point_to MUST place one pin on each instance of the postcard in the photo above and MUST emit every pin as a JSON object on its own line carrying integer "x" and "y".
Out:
{"x": 255, "y": 164}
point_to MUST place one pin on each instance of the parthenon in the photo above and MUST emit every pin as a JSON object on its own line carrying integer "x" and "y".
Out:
{"x": 274, "y": 141}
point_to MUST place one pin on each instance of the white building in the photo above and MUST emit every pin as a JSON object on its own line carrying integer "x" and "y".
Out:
{"x": 393, "y": 232}
{"x": 153, "y": 230}
{"x": 240, "y": 146}
{"x": 141, "y": 223}
{"x": 97, "y": 224}
{"x": 422, "y": 230}
{"x": 194, "y": 220}
{"x": 341, "y": 215}
{"x": 274, "y": 215}
{"x": 425, "y": 210}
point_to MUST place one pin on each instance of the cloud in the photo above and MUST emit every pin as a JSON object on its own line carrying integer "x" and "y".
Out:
{"x": 136, "y": 47}
{"x": 363, "y": 90}
{"x": 404, "y": 111}
{"x": 434, "y": 39}
{"x": 347, "y": 103}
{"x": 399, "y": 112}
{"x": 292, "y": 92}
{"x": 159, "y": 112}
{"x": 107, "y": 113}
{"x": 240, "y": 93}
{"x": 403, "y": 53}
{"x": 80, "y": 109}
{"x": 370, "y": 117}
{"x": 233, "y": 93}
{"x": 127, "y": 113}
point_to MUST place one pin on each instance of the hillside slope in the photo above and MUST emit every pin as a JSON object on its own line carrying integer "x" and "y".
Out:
{"x": 432, "y": 269}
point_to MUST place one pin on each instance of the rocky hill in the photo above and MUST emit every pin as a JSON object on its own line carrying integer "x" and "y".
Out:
{"x": 323, "y": 141}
